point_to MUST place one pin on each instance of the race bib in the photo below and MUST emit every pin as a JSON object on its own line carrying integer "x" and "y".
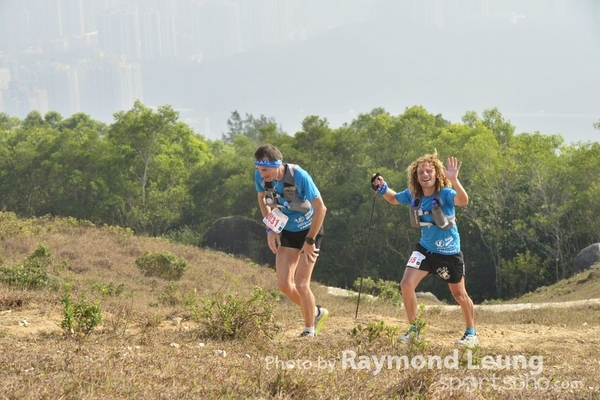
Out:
{"x": 276, "y": 220}
{"x": 415, "y": 260}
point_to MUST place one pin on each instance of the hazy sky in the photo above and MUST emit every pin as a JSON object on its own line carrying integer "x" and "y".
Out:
{"x": 537, "y": 61}
{"x": 540, "y": 66}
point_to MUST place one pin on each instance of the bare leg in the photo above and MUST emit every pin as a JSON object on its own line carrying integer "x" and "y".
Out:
{"x": 466, "y": 304}
{"x": 293, "y": 279}
{"x": 408, "y": 285}
{"x": 285, "y": 268}
{"x": 307, "y": 298}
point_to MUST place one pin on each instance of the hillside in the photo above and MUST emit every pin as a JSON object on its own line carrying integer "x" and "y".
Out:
{"x": 149, "y": 344}
{"x": 582, "y": 286}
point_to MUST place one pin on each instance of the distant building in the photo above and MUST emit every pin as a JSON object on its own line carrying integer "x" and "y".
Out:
{"x": 72, "y": 21}
{"x": 43, "y": 20}
{"x": 19, "y": 100}
{"x": 4, "y": 78}
{"x": 274, "y": 22}
{"x": 150, "y": 35}
{"x": 157, "y": 35}
{"x": 169, "y": 36}
{"x": 119, "y": 33}
{"x": 59, "y": 81}
{"x": 108, "y": 85}
{"x": 14, "y": 27}
{"x": 4, "y": 81}
{"x": 217, "y": 29}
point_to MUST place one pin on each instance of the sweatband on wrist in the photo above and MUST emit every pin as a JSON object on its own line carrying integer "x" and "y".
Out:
{"x": 382, "y": 189}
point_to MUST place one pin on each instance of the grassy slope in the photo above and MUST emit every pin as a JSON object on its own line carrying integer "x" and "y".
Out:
{"x": 582, "y": 286}
{"x": 140, "y": 351}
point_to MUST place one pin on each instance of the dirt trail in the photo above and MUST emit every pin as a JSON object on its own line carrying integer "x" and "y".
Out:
{"x": 523, "y": 306}
{"x": 581, "y": 340}
{"x": 33, "y": 321}
{"x": 486, "y": 307}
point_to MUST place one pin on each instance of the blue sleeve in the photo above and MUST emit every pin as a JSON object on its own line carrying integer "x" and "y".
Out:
{"x": 306, "y": 188}
{"x": 447, "y": 196}
{"x": 404, "y": 197}
{"x": 258, "y": 181}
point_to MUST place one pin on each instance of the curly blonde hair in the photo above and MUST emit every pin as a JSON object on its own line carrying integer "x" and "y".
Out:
{"x": 440, "y": 177}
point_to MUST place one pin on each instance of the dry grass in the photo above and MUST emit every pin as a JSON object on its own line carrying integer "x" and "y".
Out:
{"x": 581, "y": 286}
{"x": 145, "y": 350}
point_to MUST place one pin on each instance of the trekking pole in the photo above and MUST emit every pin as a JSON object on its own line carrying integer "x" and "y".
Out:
{"x": 362, "y": 272}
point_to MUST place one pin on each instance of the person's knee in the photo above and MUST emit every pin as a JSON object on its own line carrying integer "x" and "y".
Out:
{"x": 302, "y": 286}
{"x": 285, "y": 287}
{"x": 461, "y": 297}
{"x": 407, "y": 286}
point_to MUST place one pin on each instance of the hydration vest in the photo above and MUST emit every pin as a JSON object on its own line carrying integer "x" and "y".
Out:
{"x": 291, "y": 199}
{"x": 440, "y": 219}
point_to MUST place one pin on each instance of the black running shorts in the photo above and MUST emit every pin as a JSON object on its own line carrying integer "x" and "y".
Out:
{"x": 451, "y": 268}
{"x": 296, "y": 239}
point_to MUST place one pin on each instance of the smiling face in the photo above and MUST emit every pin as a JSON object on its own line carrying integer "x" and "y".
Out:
{"x": 426, "y": 177}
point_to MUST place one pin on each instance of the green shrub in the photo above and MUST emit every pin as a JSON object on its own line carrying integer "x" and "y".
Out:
{"x": 417, "y": 344}
{"x": 186, "y": 235}
{"x": 32, "y": 274}
{"x": 170, "y": 295}
{"x": 24, "y": 278}
{"x": 12, "y": 226}
{"x": 375, "y": 331}
{"x": 237, "y": 317}
{"x": 79, "y": 318}
{"x": 162, "y": 265}
{"x": 41, "y": 257}
{"x": 385, "y": 290}
{"x": 108, "y": 289}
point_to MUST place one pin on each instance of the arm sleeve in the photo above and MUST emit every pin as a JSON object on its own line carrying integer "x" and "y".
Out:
{"x": 258, "y": 182}
{"x": 404, "y": 197}
{"x": 307, "y": 190}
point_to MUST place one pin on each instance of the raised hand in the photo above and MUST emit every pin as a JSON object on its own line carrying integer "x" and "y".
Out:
{"x": 452, "y": 167}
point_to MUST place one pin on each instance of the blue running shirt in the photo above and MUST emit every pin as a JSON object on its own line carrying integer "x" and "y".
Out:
{"x": 433, "y": 238}
{"x": 306, "y": 190}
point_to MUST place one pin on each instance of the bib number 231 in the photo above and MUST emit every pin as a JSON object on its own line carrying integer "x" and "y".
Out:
{"x": 276, "y": 220}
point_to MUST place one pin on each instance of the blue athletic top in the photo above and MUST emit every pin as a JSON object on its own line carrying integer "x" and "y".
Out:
{"x": 305, "y": 189}
{"x": 433, "y": 238}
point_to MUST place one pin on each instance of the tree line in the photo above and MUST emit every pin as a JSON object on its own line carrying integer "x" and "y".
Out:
{"x": 533, "y": 198}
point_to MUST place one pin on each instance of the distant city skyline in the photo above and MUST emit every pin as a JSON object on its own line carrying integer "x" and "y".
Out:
{"x": 99, "y": 56}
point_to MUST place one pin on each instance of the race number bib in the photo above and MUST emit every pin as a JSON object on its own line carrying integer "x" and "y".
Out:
{"x": 415, "y": 260}
{"x": 276, "y": 220}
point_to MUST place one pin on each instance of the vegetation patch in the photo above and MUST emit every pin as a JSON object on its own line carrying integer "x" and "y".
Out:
{"x": 162, "y": 265}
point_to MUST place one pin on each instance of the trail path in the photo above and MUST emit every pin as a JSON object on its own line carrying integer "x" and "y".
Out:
{"x": 582, "y": 340}
{"x": 523, "y": 306}
{"x": 487, "y": 307}
{"x": 514, "y": 336}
